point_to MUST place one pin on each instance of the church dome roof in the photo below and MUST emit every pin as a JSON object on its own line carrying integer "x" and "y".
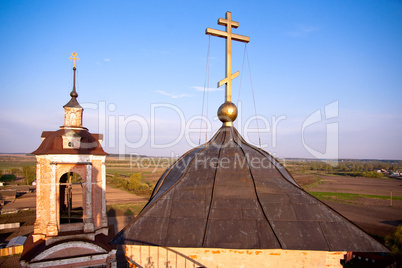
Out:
{"x": 230, "y": 194}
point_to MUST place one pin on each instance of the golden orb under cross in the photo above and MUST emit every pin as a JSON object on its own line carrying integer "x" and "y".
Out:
{"x": 227, "y": 113}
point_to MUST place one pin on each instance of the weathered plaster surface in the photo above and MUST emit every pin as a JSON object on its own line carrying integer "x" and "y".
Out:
{"x": 73, "y": 117}
{"x": 146, "y": 256}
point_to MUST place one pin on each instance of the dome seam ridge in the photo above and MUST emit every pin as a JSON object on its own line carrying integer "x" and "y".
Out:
{"x": 256, "y": 194}
{"x": 212, "y": 195}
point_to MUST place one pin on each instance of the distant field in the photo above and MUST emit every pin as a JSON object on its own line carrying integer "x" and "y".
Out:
{"x": 365, "y": 201}
{"x": 8, "y": 161}
{"x": 151, "y": 168}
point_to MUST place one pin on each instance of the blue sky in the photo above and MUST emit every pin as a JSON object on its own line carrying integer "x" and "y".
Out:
{"x": 144, "y": 58}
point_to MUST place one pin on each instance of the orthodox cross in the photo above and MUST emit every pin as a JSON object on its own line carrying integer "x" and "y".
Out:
{"x": 229, "y": 36}
{"x": 74, "y": 57}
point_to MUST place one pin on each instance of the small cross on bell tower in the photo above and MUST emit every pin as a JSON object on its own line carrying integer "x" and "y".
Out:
{"x": 74, "y": 57}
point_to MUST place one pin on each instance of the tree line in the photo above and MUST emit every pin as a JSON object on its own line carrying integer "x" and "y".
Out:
{"x": 133, "y": 183}
{"x": 363, "y": 168}
{"x": 27, "y": 172}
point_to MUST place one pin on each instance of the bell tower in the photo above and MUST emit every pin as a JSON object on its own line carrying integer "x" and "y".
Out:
{"x": 71, "y": 223}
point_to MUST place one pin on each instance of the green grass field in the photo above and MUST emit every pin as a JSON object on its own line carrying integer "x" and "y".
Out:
{"x": 348, "y": 197}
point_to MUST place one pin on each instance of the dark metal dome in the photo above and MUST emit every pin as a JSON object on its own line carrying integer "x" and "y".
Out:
{"x": 230, "y": 194}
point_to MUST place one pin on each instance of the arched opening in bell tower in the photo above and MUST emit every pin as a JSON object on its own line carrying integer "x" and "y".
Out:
{"x": 70, "y": 198}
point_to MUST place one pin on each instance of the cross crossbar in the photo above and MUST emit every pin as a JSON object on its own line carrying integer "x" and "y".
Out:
{"x": 235, "y": 37}
{"x": 225, "y": 22}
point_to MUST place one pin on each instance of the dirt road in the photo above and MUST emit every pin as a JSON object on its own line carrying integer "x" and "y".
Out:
{"x": 117, "y": 196}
